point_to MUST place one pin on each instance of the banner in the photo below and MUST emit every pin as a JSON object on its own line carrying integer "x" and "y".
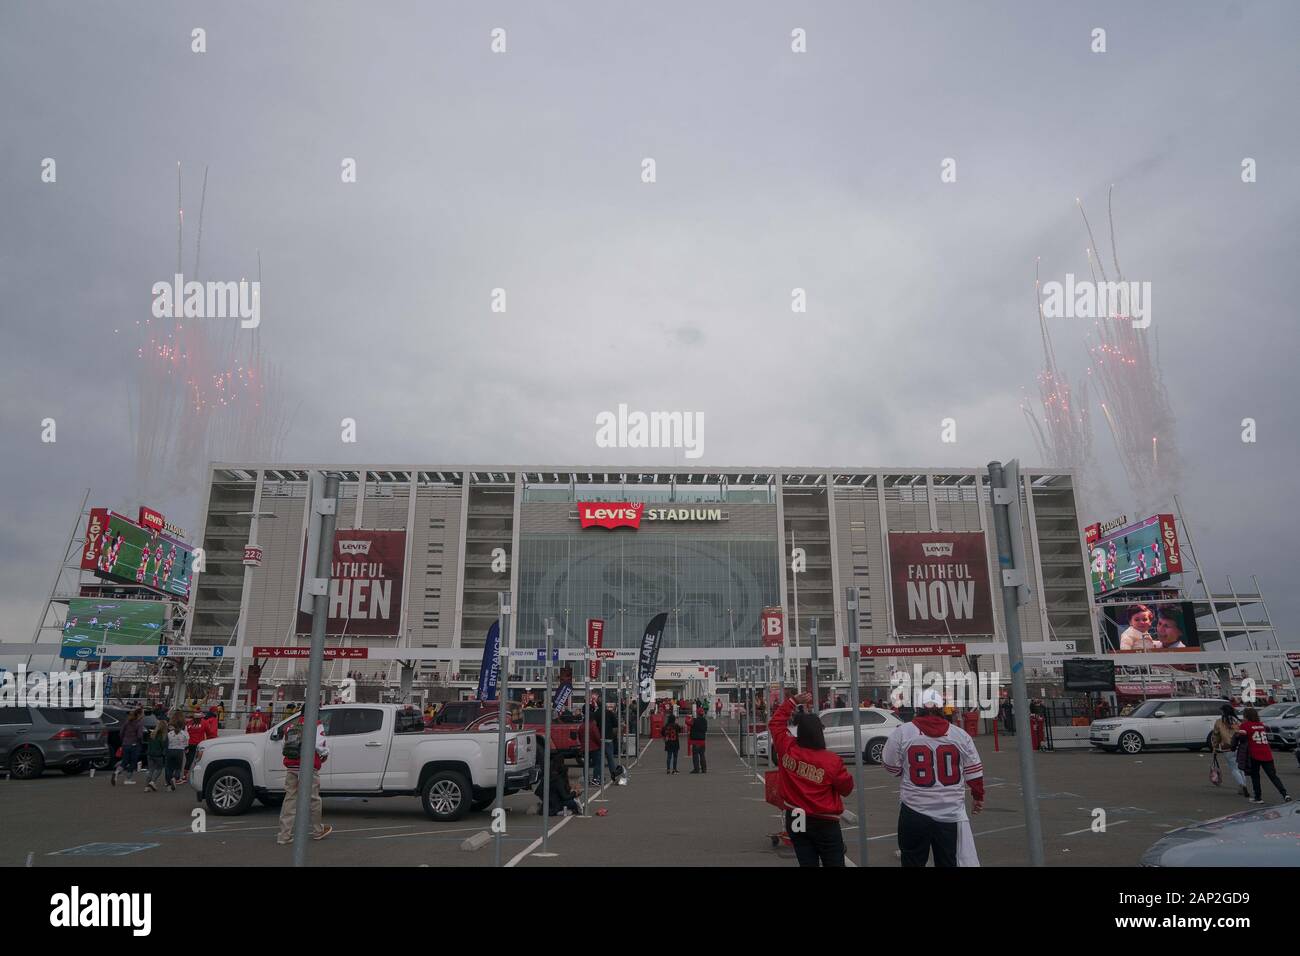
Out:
{"x": 489, "y": 672}
{"x": 649, "y": 657}
{"x": 365, "y": 593}
{"x": 772, "y": 627}
{"x": 564, "y": 693}
{"x": 940, "y": 583}
{"x": 595, "y": 640}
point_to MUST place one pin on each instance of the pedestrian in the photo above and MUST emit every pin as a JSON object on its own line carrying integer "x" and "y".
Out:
{"x": 611, "y": 743}
{"x": 592, "y": 741}
{"x": 699, "y": 737}
{"x": 291, "y": 753}
{"x": 197, "y": 734}
{"x": 156, "y": 755}
{"x": 671, "y": 732}
{"x": 1223, "y": 740}
{"x": 717, "y": 708}
{"x": 221, "y": 715}
{"x": 132, "y": 739}
{"x": 211, "y": 724}
{"x": 178, "y": 739}
{"x": 813, "y": 783}
{"x": 934, "y": 758}
{"x": 1255, "y": 737}
{"x": 563, "y": 798}
{"x": 256, "y": 722}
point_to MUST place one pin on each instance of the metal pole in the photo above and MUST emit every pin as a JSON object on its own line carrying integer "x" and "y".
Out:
{"x": 311, "y": 695}
{"x": 812, "y": 667}
{"x": 604, "y": 709}
{"x": 851, "y": 614}
{"x": 586, "y": 729}
{"x": 503, "y": 681}
{"x": 1286, "y": 669}
{"x": 54, "y": 588}
{"x": 546, "y": 754}
{"x": 798, "y": 677}
{"x": 1003, "y": 498}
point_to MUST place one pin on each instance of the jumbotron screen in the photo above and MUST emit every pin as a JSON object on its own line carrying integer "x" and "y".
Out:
{"x": 93, "y": 623}
{"x": 117, "y": 548}
{"x": 1136, "y": 555}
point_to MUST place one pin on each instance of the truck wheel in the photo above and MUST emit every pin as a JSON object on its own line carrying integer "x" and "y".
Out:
{"x": 1131, "y": 742}
{"x": 230, "y": 792}
{"x": 446, "y": 796}
{"x": 26, "y": 763}
{"x": 875, "y": 750}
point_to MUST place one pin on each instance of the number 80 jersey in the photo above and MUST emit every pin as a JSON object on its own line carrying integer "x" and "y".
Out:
{"x": 933, "y": 769}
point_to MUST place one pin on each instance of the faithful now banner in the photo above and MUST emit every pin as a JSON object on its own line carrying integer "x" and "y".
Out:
{"x": 595, "y": 640}
{"x": 365, "y": 590}
{"x": 940, "y": 583}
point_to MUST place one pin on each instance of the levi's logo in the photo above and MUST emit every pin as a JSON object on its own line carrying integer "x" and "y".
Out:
{"x": 937, "y": 549}
{"x": 354, "y": 547}
{"x": 606, "y": 514}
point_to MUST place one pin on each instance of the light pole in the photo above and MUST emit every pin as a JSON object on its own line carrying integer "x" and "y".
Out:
{"x": 546, "y": 753}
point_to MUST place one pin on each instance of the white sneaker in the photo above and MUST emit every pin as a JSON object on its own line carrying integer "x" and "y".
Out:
{"x": 128, "y": 783}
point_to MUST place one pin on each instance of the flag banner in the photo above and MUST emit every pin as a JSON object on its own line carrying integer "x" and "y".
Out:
{"x": 564, "y": 693}
{"x": 595, "y": 640}
{"x": 489, "y": 672}
{"x": 649, "y": 658}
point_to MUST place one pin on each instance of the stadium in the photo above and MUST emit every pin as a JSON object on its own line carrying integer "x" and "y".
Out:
{"x": 421, "y": 552}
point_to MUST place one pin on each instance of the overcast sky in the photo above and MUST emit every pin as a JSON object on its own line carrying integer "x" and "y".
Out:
{"x": 775, "y": 170}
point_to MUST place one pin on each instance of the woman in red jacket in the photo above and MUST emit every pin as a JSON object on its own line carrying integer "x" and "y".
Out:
{"x": 813, "y": 785}
{"x": 1261, "y": 754}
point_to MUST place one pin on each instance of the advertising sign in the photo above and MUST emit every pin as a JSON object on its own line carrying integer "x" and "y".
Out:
{"x": 152, "y": 519}
{"x": 625, "y": 514}
{"x": 595, "y": 641}
{"x": 772, "y": 626}
{"x": 365, "y": 590}
{"x": 489, "y": 671}
{"x": 940, "y": 583}
{"x": 252, "y": 556}
{"x": 908, "y": 650}
{"x": 649, "y": 658}
{"x": 1138, "y": 554}
{"x": 117, "y": 548}
{"x": 93, "y": 623}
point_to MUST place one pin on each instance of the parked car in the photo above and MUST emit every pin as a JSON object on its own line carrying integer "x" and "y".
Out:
{"x": 1282, "y": 721}
{"x": 877, "y": 724}
{"x": 1165, "y": 722}
{"x": 460, "y": 713}
{"x": 1263, "y": 836}
{"x": 376, "y": 750}
{"x": 35, "y": 739}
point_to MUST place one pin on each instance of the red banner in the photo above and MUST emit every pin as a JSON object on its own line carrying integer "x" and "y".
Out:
{"x": 595, "y": 640}
{"x": 909, "y": 650}
{"x": 365, "y": 592}
{"x": 772, "y": 627}
{"x": 940, "y": 583}
{"x": 95, "y": 528}
{"x": 331, "y": 653}
{"x": 1169, "y": 541}
{"x": 606, "y": 514}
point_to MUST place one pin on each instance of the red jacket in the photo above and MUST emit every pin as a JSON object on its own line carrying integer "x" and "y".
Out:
{"x": 197, "y": 731}
{"x": 1257, "y": 737}
{"x": 256, "y": 724}
{"x": 210, "y": 728}
{"x": 813, "y": 780}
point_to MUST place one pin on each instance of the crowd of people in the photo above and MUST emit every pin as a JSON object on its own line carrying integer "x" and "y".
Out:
{"x": 167, "y": 751}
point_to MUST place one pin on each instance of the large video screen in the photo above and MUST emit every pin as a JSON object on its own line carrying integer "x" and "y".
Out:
{"x": 117, "y": 548}
{"x": 93, "y": 623}
{"x": 1148, "y": 623}
{"x": 1141, "y": 553}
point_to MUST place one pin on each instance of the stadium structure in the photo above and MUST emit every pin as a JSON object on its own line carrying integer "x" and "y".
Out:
{"x": 422, "y": 551}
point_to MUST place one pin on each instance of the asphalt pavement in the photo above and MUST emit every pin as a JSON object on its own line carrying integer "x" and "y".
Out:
{"x": 715, "y": 819}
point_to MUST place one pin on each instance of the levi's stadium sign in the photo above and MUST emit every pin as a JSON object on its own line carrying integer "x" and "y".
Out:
{"x": 622, "y": 514}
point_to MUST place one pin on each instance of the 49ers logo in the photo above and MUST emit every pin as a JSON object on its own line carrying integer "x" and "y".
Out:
{"x": 600, "y": 514}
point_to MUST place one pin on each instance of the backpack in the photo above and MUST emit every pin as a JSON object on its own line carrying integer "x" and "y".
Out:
{"x": 293, "y": 741}
{"x": 670, "y": 733}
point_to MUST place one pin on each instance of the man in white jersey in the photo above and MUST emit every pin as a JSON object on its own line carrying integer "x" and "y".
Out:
{"x": 934, "y": 759}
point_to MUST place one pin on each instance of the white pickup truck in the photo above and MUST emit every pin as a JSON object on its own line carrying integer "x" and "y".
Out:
{"x": 375, "y": 750}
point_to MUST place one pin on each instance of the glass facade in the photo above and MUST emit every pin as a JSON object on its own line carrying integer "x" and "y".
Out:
{"x": 713, "y": 587}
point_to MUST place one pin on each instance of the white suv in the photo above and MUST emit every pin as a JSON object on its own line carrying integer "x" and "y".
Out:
{"x": 838, "y": 729}
{"x": 1170, "y": 722}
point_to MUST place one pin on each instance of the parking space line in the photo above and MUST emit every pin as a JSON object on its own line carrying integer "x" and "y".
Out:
{"x": 1114, "y": 823}
{"x": 396, "y": 836}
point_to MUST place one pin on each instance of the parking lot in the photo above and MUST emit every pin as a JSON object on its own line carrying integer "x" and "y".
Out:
{"x": 719, "y": 819}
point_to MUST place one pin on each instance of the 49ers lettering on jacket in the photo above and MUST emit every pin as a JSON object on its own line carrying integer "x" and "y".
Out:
{"x": 815, "y": 781}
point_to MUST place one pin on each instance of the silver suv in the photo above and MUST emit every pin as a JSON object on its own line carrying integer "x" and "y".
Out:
{"x": 34, "y": 739}
{"x": 1167, "y": 722}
